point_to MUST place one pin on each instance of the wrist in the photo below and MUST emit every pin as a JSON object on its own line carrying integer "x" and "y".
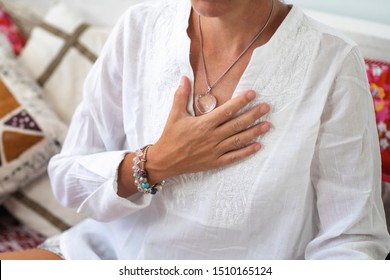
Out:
{"x": 142, "y": 179}
{"x": 157, "y": 169}
{"x": 125, "y": 180}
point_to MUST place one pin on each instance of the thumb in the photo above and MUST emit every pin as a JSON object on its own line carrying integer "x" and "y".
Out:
{"x": 182, "y": 94}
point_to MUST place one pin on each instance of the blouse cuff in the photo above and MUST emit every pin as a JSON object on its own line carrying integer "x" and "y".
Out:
{"x": 104, "y": 203}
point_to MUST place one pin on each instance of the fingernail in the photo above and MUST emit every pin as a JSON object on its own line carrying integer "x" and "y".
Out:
{"x": 264, "y": 108}
{"x": 251, "y": 95}
{"x": 265, "y": 127}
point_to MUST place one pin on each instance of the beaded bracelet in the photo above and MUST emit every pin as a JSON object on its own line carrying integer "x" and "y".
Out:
{"x": 141, "y": 175}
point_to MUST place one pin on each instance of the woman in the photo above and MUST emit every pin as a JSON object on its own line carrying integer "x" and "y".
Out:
{"x": 268, "y": 148}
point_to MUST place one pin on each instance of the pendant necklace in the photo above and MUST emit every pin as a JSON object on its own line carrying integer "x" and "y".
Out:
{"x": 206, "y": 102}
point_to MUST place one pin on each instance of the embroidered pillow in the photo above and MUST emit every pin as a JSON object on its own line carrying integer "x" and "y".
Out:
{"x": 378, "y": 73}
{"x": 30, "y": 132}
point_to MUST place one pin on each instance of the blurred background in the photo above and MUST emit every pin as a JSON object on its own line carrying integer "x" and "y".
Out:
{"x": 372, "y": 10}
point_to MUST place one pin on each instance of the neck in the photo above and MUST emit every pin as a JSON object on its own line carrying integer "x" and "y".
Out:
{"x": 233, "y": 30}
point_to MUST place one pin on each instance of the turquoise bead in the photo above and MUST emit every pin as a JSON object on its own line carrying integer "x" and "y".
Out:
{"x": 145, "y": 186}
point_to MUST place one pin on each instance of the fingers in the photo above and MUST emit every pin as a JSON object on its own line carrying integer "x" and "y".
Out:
{"x": 226, "y": 111}
{"x": 240, "y": 131}
{"x": 242, "y": 139}
{"x": 179, "y": 107}
{"x": 237, "y": 155}
{"x": 243, "y": 121}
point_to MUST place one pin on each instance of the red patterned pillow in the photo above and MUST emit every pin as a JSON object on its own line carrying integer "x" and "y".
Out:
{"x": 11, "y": 31}
{"x": 378, "y": 73}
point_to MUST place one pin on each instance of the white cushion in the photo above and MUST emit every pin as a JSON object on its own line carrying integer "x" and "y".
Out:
{"x": 65, "y": 85}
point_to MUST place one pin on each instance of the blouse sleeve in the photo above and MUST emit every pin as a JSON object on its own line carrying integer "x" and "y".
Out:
{"x": 84, "y": 174}
{"x": 346, "y": 172}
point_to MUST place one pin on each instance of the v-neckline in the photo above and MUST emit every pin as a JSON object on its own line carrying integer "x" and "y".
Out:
{"x": 184, "y": 44}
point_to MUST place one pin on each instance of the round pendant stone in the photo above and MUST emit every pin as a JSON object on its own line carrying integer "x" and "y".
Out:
{"x": 205, "y": 103}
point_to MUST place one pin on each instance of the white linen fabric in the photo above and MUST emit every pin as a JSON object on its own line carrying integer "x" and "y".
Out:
{"x": 312, "y": 192}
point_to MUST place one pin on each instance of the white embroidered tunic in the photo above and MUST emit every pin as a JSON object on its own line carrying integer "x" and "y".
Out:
{"x": 312, "y": 192}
